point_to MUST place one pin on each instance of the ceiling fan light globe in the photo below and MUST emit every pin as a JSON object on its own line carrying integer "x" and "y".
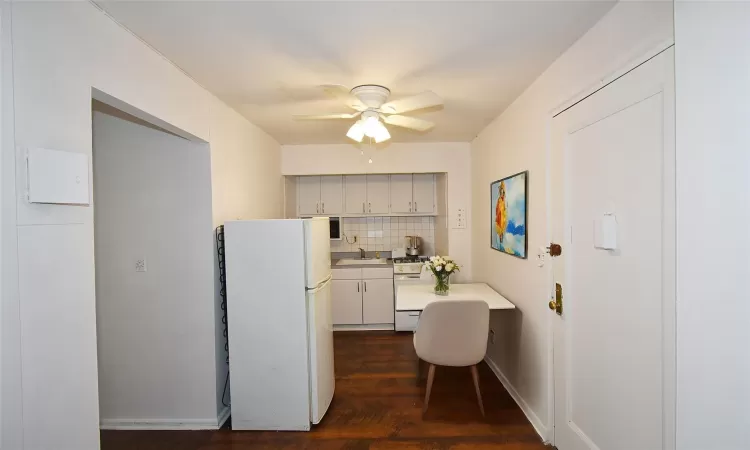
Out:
{"x": 356, "y": 132}
{"x": 371, "y": 125}
{"x": 382, "y": 134}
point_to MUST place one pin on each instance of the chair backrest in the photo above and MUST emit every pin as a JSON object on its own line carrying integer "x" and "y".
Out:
{"x": 453, "y": 333}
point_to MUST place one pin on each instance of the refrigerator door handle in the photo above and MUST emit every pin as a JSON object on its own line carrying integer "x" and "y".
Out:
{"x": 320, "y": 285}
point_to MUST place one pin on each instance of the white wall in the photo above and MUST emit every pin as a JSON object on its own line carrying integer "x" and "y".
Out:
{"x": 518, "y": 140}
{"x": 452, "y": 158}
{"x": 712, "y": 62}
{"x": 61, "y": 51}
{"x": 155, "y": 329}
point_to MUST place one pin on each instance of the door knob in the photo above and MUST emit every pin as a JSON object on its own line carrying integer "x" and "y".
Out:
{"x": 552, "y": 305}
{"x": 554, "y": 249}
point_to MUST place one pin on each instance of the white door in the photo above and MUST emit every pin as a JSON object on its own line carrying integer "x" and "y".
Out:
{"x": 308, "y": 200}
{"x": 377, "y": 301}
{"x": 355, "y": 194}
{"x": 331, "y": 195}
{"x": 401, "y": 192}
{"x": 317, "y": 251}
{"x": 424, "y": 193}
{"x": 320, "y": 343}
{"x": 377, "y": 194}
{"x": 613, "y": 164}
{"x": 346, "y": 297}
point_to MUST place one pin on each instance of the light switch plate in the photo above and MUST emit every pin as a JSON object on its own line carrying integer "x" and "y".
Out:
{"x": 459, "y": 220}
{"x": 140, "y": 265}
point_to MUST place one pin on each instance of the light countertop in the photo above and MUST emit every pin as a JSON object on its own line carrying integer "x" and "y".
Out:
{"x": 387, "y": 265}
{"x": 415, "y": 297}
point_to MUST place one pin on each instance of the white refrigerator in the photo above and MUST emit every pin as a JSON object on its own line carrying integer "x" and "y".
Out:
{"x": 279, "y": 322}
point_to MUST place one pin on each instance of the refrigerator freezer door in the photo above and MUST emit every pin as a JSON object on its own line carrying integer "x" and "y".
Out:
{"x": 320, "y": 341}
{"x": 317, "y": 251}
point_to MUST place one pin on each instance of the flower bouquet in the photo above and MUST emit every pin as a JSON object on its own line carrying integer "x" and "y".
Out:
{"x": 442, "y": 267}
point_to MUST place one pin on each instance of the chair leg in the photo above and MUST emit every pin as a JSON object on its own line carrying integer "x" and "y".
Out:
{"x": 475, "y": 376}
{"x": 430, "y": 379}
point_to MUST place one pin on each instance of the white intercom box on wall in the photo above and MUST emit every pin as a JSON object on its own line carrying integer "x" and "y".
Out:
{"x": 57, "y": 177}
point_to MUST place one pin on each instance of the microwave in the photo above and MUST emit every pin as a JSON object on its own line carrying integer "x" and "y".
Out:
{"x": 335, "y": 224}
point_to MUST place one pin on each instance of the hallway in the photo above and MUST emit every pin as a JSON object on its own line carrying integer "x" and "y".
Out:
{"x": 377, "y": 405}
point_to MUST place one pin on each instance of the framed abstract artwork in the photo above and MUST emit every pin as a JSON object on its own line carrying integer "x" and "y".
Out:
{"x": 508, "y": 211}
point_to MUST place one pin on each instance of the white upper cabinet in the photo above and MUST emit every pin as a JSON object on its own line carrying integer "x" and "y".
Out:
{"x": 396, "y": 194}
{"x": 308, "y": 199}
{"x": 423, "y": 193}
{"x": 355, "y": 195}
{"x": 377, "y": 194}
{"x": 401, "y": 193}
{"x": 331, "y": 195}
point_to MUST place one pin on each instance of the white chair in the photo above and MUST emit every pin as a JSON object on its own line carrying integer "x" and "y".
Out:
{"x": 453, "y": 333}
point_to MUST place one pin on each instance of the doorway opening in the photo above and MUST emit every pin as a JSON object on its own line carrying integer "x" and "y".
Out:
{"x": 161, "y": 357}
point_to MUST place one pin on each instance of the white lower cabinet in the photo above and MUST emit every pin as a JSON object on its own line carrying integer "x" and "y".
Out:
{"x": 362, "y": 296}
{"x": 346, "y": 299}
{"x": 377, "y": 301}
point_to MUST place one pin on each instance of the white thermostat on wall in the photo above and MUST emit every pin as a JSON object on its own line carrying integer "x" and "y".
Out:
{"x": 57, "y": 177}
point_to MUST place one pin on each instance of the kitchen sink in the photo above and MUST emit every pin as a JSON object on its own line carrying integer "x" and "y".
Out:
{"x": 357, "y": 261}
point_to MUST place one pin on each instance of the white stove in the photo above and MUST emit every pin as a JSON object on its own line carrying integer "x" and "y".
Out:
{"x": 408, "y": 270}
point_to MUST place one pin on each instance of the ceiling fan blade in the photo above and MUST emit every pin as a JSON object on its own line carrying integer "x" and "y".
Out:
{"x": 325, "y": 116}
{"x": 342, "y": 93}
{"x": 420, "y": 101}
{"x": 408, "y": 122}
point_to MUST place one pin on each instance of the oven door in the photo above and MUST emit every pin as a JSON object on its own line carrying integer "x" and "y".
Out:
{"x": 407, "y": 320}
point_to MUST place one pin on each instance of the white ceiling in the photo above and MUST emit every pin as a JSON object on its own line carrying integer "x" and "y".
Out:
{"x": 267, "y": 59}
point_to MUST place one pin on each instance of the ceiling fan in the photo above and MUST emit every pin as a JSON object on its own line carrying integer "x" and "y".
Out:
{"x": 369, "y": 101}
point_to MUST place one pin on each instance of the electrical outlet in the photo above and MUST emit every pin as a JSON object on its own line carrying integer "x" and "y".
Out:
{"x": 492, "y": 336}
{"x": 140, "y": 265}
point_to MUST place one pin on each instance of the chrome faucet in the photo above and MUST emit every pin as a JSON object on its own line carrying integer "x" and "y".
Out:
{"x": 362, "y": 253}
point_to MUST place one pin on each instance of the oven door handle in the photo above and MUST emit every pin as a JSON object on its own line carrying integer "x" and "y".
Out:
{"x": 407, "y": 277}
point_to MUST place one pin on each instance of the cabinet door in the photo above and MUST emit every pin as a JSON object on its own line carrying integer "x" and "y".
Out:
{"x": 331, "y": 195}
{"x": 308, "y": 200}
{"x": 401, "y": 193}
{"x": 424, "y": 193}
{"x": 346, "y": 300}
{"x": 377, "y": 301}
{"x": 355, "y": 194}
{"x": 377, "y": 194}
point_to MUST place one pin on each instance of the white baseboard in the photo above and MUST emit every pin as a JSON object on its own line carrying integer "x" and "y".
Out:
{"x": 538, "y": 425}
{"x": 166, "y": 424}
{"x": 368, "y": 327}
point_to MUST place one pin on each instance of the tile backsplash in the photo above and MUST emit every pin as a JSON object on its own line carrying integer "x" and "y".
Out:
{"x": 385, "y": 233}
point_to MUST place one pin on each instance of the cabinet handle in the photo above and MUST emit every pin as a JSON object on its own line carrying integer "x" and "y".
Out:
{"x": 370, "y": 206}
{"x": 365, "y": 286}
{"x": 358, "y": 286}
{"x": 409, "y": 206}
{"x": 416, "y": 208}
{"x": 324, "y": 207}
{"x": 317, "y": 208}
{"x": 363, "y": 207}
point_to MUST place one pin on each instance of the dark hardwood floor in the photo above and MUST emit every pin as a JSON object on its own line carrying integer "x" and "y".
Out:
{"x": 377, "y": 405}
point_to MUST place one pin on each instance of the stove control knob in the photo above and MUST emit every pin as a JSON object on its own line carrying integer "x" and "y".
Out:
{"x": 400, "y": 269}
